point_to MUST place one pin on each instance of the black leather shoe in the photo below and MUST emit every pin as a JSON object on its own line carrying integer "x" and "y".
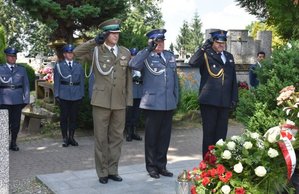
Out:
{"x": 65, "y": 142}
{"x": 73, "y": 142}
{"x": 103, "y": 180}
{"x": 14, "y": 147}
{"x": 115, "y": 178}
{"x": 165, "y": 172}
{"x": 128, "y": 138}
{"x": 154, "y": 174}
{"x": 136, "y": 137}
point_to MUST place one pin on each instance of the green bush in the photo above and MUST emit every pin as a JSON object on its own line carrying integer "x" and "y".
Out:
{"x": 85, "y": 115}
{"x": 188, "y": 101}
{"x": 31, "y": 75}
{"x": 257, "y": 108}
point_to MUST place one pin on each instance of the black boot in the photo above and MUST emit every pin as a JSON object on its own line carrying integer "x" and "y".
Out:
{"x": 129, "y": 134}
{"x": 13, "y": 144}
{"x": 72, "y": 141}
{"x": 65, "y": 139}
{"x": 134, "y": 135}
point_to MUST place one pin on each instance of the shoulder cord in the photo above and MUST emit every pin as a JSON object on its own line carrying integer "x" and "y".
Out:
{"x": 151, "y": 70}
{"x": 6, "y": 82}
{"x": 64, "y": 77}
{"x": 95, "y": 59}
{"x": 218, "y": 75}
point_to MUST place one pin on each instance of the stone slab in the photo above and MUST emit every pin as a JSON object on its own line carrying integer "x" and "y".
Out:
{"x": 4, "y": 153}
{"x": 135, "y": 180}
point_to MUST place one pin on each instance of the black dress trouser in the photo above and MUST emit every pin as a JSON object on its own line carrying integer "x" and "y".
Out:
{"x": 214, "y": 123}
{"x": 158, "y": 126}
{"x": 68, "y": 115}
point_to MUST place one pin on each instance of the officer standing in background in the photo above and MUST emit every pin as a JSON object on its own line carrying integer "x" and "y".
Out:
{"x": 68, "y": 92}
{"x": 254, "y": 82}
{"x": 111, "y": 94}
{"x": 218, "y": 91}
{"x": 133, "y": 112}
{"x": 159, "y": 100}
{"x": 14, "y": 93}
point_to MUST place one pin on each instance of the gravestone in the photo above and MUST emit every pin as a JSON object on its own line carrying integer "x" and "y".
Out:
{"x": 4, "y": 153}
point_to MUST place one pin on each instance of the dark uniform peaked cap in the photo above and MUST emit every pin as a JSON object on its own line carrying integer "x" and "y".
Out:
{"x": 68, "y": 48}
{"x": 112, "y": 25}
{"x": 10, "y": 51}
{"x": 219, "y": 36}
{"x": 156, "y": 34}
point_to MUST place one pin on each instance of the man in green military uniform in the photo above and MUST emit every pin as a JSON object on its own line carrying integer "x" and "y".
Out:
{"x": 111, "y": 93}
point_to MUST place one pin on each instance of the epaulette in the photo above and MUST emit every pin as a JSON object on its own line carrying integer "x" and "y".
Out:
{"x": 169, "y": 51}
{"x": 122, "y": 47}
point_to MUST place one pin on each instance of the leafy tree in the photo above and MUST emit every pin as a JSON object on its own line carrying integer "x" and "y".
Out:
{"x": 283, "y": 14}
{"x": 171, "y": 47}
{"x": 190, "y": 36}
{"x": 183, "y": 39}
{"x": 254, "y": 27}
{"x": 142, "y": 18}
{"x": 197, "y": 36}
{"x": 21, "y": 30}
{"x": 2, "y": 45}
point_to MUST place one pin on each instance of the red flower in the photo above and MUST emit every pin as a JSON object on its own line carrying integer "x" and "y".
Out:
{"x": 226, "y": 176}
{"x": 210, "y": 158}
{"x": 212, "y": 172}
{"x": 193, "y": 189}
{"x": 240, "y": 190}
{"x": 202, "y": 165}
{"x": 204, "y": 174}
{"x": 220, "y": 169}
{"x": 211, "y": 147}
{"x": 205, "y": 181}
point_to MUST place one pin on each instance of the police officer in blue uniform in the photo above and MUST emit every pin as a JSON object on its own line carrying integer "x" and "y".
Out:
{"x": 68, "y": 92}
{"x": 159, "y": 100}
{"x": 14, "y": 93}
{"x": 218, "y": 91}
{"x": 133, "y": 112}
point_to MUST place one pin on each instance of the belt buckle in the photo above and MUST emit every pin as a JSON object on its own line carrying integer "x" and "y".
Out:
{"x": 12, "y": 87}
{"x": 71, "y": 83}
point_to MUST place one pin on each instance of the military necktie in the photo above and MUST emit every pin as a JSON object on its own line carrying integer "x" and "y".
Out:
{"x": 70, "y": 65}
{"x": 112, "y": 51}
{"x": 11, "y": 68}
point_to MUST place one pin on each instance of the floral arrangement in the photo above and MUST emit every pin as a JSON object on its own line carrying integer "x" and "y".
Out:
{"x": 243, "y": 85}
{"x": 46, "y": 74}
{"x": 252, "y": 163}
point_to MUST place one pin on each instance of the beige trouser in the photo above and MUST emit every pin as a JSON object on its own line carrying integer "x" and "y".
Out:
{"x": 108, "y": 131}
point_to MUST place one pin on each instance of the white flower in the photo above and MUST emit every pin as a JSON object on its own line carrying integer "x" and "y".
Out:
{"x": 236, "y": 138}
{"x": 238, "y": 168}
{"x": 226, "y": 155}
{"x": 220, "y": 142}
{"x": 247, "y": 145}
{"x": 260, "y": 171}
{"x": 231, "y": 145}
{"x": 225, "y": 189}
{"x": 254, "y": 135}
{"x": 272, "y": 153}
{"x": 272, "y": 134}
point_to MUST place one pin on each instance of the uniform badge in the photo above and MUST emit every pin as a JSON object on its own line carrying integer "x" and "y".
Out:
{"x": 108, "y": 61}
{"x": 104, "y": 65}
{"x": 123, "y": 57}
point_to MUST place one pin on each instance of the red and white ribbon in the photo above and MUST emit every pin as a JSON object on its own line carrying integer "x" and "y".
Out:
{"x": 288, "y": 154}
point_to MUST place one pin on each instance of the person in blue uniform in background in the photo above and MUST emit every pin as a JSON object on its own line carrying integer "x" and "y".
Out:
{"x": 218, "y": 91}
{"x": 14, "y": 93}
{"x": 159, "y": 100}
{"x": 133, "y": 112}
{"x": 68, "y": 92}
